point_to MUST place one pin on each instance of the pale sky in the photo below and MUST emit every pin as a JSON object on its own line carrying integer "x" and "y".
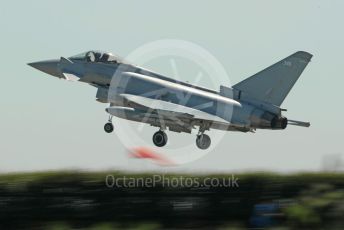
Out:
{"x": 49, "y": 124}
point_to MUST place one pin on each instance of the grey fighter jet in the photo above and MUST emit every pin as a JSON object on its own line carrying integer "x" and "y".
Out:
{"x": 137, "y": 94}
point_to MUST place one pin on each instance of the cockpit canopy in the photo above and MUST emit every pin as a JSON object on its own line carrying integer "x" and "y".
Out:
{"x": 96, "y": 56}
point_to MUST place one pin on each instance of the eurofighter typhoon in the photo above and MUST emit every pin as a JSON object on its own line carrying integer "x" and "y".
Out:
{"x": 140, "y": 95}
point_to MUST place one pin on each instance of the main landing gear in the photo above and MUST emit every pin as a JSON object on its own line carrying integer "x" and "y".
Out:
{"x": 108, "y": 127}
{"x": 203, "y": 140}
{"x": 160, "y": 138}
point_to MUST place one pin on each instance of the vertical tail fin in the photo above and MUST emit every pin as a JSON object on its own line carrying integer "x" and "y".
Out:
{"x": 273, "y": 84}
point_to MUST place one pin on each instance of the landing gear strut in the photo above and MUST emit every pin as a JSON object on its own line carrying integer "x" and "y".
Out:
{"x": 160, "y": 138}
{"x": 203, "y": 140}
{"x": 108, "y": 127}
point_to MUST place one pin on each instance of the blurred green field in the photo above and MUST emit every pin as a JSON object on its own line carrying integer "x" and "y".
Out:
{"x": 84, "y": 200}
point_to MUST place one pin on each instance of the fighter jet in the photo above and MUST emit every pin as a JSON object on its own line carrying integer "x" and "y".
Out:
{"x": 141, "y": 95}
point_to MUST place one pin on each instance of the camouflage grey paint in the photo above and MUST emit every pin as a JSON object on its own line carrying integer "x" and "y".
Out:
{"x": 249, "y": 105}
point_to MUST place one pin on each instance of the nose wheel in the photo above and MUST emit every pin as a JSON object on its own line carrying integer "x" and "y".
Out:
{"x": 160, "y": 138}
{"x": 108, "y": 127}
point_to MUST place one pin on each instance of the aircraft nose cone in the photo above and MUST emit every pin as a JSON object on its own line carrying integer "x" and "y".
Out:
{"x": 50, "y": 67}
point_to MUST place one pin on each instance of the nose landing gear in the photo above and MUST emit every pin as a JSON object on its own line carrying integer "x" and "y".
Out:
{"x": 108, "y": 127}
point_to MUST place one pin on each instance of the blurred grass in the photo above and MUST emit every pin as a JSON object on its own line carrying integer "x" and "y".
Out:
{"x": 304, "y": 200}
{"x": 96, "y": 176}
{"x": 103, "y": 226}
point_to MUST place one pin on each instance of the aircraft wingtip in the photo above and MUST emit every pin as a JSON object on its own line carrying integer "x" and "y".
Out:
{"x": 304, "y": 55}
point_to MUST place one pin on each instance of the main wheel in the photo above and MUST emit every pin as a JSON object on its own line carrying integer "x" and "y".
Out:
{"x": 108, "y": 127}
{"x": 160, "y": 138}
{"x": 203, "y": 141}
